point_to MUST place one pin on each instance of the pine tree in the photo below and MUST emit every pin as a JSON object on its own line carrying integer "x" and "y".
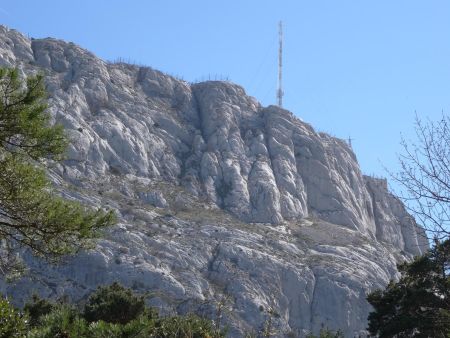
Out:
{"x": 418, "y": 305}
{"x": 31, "y": 214}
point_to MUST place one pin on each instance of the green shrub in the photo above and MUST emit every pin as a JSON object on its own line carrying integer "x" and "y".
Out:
{"x": 114, "y": 304}
{"x": 105, "y": 330}
{"x": 65, "y": 322}
{"x": 112, "y": 312}
{"x": 327, "y": 333}
{"x": 185, "y": 326}
{"x": 37, "y": 308}
{"x": 12, "y": 323}
{"x": 142, "y": 327}
{"x": 62, "y": 322}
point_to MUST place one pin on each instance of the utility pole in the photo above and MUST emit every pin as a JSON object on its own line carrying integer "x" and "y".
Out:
{"x": 280, "y": 92}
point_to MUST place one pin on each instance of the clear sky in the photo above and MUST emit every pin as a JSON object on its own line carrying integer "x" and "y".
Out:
{"x": 351, "y": 68}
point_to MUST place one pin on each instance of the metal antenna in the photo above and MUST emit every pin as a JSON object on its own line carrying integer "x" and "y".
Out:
{"x": 350, "y": 141}
{"x": 280, "y": 92}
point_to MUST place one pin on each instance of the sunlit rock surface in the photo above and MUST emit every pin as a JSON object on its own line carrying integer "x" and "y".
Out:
{"x": 218, "y": 198}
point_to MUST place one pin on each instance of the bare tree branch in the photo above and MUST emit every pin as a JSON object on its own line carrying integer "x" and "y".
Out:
{"x": 424, "y": 175}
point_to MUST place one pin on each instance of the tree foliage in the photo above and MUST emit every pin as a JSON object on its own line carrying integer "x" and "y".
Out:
{"x": 114, "y": 304}
{"x": 25, "y": 126}
{"x": 12, "y": 323}
{"x": 327, "y": 333}
{"x": 418, "y": 305}
{"x": 37, "y": 308}
{"x": 186, "y": 326}
{"x": 50, "y": 319}
{"x": 67, "y": 323}
{"x": 31, "y": 214}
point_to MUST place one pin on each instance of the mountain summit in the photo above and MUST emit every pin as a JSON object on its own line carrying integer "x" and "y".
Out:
{"x": 218, "y": 198}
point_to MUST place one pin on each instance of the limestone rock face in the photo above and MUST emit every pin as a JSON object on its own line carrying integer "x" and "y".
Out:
{"x": 217, "y": 197}
{"x": 393, "y": 224}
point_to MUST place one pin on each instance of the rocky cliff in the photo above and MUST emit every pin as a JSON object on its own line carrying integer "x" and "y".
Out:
{"x": 219, "y": 199}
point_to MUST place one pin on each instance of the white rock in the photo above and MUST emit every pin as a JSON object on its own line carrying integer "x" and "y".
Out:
{"x": 232, "y": 171}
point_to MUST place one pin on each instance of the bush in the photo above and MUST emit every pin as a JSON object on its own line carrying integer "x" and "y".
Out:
{"x": 185, "y": 326}
{"x": 12, "y": 323}
{"x": 106, "y": 330}
{"x": 327, "y": 333}
{"x": 62, "y": 322}
{"x": 111, "y": 312}
{"x": 114, "y": 304}
{"x": 37, "y": 308}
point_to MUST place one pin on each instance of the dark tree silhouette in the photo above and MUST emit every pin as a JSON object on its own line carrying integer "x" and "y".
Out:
{"x": 418, "y": 305}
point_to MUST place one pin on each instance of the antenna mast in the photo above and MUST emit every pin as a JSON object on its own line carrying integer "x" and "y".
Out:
{"x": 280, "y": 92}
{"x": 350, "y": 142}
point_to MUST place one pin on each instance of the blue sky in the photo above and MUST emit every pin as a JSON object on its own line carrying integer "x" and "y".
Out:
{"x": 351, "y": 68}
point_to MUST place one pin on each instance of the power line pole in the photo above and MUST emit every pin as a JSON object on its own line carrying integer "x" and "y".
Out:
{"x": 280, "y": 92}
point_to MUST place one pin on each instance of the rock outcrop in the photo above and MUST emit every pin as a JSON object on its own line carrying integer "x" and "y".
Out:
{"x": 217, "y": 197}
